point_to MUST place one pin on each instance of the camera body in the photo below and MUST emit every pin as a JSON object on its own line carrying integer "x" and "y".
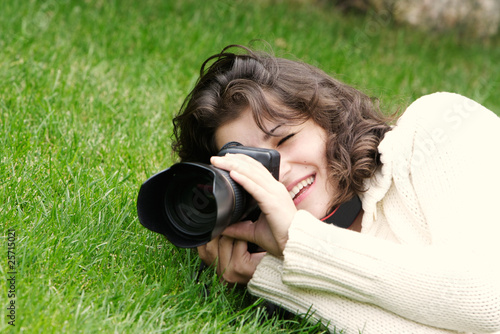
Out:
{"x": 267, "y": 157}
{"x": 192, "y": 203}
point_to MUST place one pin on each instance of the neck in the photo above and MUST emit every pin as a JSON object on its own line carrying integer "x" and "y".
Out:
{"x": 356, "y": 226}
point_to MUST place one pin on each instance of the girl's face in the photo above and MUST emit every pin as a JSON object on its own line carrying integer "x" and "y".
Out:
{"x": 303, "y": 166}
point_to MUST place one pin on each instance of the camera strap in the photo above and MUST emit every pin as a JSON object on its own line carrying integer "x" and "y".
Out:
{"x": 344, "y": 214}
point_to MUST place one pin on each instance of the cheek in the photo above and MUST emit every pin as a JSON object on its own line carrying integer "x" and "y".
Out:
{"x": 311, "y": 157}
{"x": 320, "y": 159}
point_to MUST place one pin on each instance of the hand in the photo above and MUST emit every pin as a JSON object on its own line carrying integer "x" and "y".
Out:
{"x": 235, "y": 264}
{"x": 270, "y": 231}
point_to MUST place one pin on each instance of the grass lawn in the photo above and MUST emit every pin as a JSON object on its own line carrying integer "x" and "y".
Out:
{"x": 87, "y": 93}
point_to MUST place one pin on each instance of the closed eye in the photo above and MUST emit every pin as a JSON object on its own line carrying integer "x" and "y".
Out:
{"x": 284, "y": 139}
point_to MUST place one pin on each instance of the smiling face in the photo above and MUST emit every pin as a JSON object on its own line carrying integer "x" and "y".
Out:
{"x": 303, "y": 166}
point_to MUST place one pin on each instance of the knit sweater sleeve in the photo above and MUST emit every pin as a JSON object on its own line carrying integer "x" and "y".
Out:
{"x": 339, "y": 313}
{"x": 441, "y": 271}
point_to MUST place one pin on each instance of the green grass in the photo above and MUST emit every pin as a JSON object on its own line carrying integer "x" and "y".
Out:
{"x": 87, "y": 93}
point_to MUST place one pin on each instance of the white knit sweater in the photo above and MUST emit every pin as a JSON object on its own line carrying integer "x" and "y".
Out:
{"x": 427, "y": 258}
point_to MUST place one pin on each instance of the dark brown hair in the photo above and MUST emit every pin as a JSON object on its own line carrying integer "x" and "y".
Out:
{"x": 280, "y": 89}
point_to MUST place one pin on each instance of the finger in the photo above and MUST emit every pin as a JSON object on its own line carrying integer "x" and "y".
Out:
{"x": 208, "y": 253}
{"x": 252, "y": 176}
{"x": 271, "y": 196}
{"x": 202, "y": 252}
{"x": 248, "y": 182}
{"x": 225, "y": 253}
{"x": 235, "y": 157}
{"x": 240, "y": 250}
{"x": 243, "y": 164}
{"x": 242, "y": 264}
{"x": 244, "y": 230}
{"x": 257, "y": 257}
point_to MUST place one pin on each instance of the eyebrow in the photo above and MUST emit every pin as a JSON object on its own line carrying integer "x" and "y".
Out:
{"x": 267, "y": 135}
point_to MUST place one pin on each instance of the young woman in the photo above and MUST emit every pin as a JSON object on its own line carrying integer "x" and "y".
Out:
{"x": 421, "y": 254}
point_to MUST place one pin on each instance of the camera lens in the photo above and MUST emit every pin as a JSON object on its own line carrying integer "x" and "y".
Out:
{"x": 190, "y": 202}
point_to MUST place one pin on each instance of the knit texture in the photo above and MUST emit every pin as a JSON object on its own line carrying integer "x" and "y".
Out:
{"x": 426, "y": 258}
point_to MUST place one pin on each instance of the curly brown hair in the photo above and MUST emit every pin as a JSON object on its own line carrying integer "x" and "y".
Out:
{"x": 281, "y": 89}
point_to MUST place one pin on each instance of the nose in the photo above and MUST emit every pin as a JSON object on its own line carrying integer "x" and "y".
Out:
{"x": 284, "y": 166}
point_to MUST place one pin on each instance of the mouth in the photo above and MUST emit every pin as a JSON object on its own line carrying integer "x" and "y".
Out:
{"x": 301, "y": 187}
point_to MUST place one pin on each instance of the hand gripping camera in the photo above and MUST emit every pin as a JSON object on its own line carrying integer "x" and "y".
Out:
{"x": 192, "y": 203}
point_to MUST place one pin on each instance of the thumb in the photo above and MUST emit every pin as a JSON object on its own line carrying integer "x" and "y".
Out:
{"x": 257, "y": 257}
{"x": 244, "y": 230}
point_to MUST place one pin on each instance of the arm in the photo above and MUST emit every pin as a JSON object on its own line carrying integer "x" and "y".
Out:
{"x": 445, "y": 274}
{"x": 429, "y": 285}
{"x": 337, "y": 312}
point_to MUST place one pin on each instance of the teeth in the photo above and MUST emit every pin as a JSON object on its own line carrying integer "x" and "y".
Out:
{"x": 300, "y": 185}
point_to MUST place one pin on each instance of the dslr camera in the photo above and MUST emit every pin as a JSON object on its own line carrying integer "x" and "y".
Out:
{"x": 192, "y": 203}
